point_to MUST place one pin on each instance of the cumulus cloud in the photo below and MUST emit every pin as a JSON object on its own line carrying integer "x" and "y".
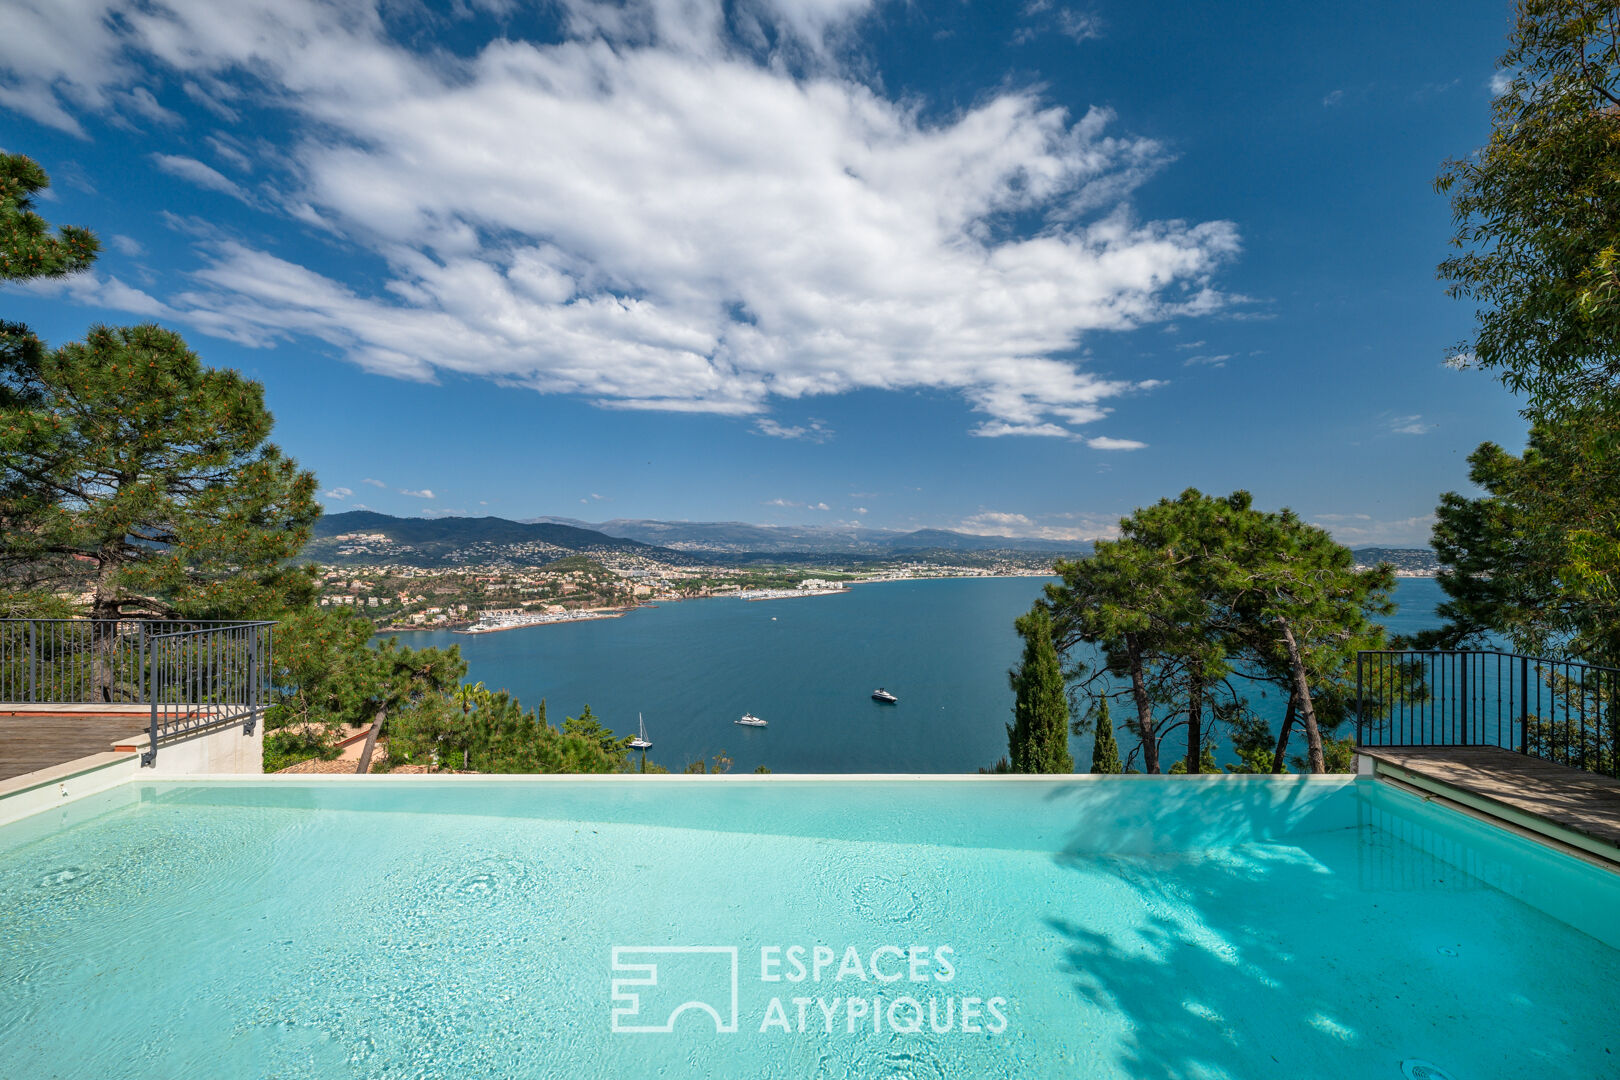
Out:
{"x": 669, "y": 209}
{"x": 1501, "y": 82}
{"x": 338, "y": 493}
{"x": 374, "y": 482}
{"x": 425, "y": 493}
{"x": 1103, "y": 442}
{"x": 125, "y": 245}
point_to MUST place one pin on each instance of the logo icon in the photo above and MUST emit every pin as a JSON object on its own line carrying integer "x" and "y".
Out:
{"x": 654, "y": 984}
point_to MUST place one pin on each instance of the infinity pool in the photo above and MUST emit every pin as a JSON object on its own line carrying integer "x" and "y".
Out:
{"x": 412, "y": 927}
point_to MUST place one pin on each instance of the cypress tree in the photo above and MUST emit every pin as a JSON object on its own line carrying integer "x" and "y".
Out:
{"x": 1038, "y": 737}
{"x": 1104, "y": 750}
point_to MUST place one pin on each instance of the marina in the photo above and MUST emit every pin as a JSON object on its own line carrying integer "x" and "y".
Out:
{"x": 786, "y": 594}
{"x": 489, "y": 624}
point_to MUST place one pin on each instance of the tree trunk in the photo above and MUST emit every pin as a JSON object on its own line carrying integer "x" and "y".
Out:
{"x": 104, "y": 611}
{"x": 1195, "y": 723}
{"x": 1144, "y": 708}
{"x": 364, "y": 765}
{"x": 1302, "y": 690}
{"x": 1278, "y": 755}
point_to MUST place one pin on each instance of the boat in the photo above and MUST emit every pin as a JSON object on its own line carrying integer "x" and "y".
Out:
{"x": 750, "y": 720}
{"x": 884, "y": 696}
{"x": 641, "y": 742}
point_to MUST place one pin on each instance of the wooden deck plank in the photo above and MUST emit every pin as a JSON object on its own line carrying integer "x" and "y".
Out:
{"x": 1581, "y": 802}
{"x": 36, "y": 741}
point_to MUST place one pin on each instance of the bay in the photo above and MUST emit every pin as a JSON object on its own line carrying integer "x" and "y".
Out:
{"x": 806, "y": 665}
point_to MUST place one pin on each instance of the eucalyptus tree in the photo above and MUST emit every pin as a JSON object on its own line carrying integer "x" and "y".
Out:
{"x": 1537, "y": 238}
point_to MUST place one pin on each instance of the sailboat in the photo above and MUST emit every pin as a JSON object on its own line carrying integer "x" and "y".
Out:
{"x": 641, "y": 742}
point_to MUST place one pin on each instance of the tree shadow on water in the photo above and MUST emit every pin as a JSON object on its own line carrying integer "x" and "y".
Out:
{"x": 1297, "y": 957}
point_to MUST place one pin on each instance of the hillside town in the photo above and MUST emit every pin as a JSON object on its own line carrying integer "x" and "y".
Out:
{"x": 402, "y": 597}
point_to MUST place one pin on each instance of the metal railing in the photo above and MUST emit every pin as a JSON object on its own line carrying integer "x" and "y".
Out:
{"x": 1562, "y": 711}
{"x": 189, "y": 674}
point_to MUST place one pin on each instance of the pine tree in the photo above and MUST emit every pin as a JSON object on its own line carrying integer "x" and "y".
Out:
{"x": 28, "y": 249}
{"x": 129, "y": 468}
{"x": 1104, "y": 750}
{"x": 1038, "y": 738}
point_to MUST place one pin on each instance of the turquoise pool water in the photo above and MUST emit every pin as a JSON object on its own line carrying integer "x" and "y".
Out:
{"x": 396, "y": 928}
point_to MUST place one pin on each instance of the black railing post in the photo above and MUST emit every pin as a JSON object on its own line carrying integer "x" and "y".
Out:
{"x": 1462, "y": 681}
{"x": 1524, "y": 705}
{"x": 149, "y": 758}
{"x": 33, "y": 664}
{"x": 1361, "y": 706}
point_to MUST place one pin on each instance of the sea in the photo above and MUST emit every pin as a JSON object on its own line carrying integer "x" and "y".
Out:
{"x": 807, "y": 666}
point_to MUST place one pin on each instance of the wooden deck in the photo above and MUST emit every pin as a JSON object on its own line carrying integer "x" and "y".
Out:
{"x": 1584, "y": 807}
{"x": 38, "y": 740}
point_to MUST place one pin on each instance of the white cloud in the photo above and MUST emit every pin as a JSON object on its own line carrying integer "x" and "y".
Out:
{"x": 819, "y": 506}
{"x": 725, "y": 221}
{"x": 1080, "y": 26}
{"x": 782, "y": 502}
{"x": 1104, "y": 442}
{"x": 995, "y": 429}
{"x": 1190, "y": 344}
{"x": 1218, "y": 360}
{"x": 998, "y": 520}
{"x": 425, "y": 493}
{"x": 1333, "y": 98}
{"x": 374, "y": 482}
{"x": 94, "y": 290}
{"x": 1001, "y": 523}
{"x": 1501, "y": 82}
{"x": 861, "y": 510}
{"x": 1360, "y": 530}
{"x": 1409, "y": 425}
{"x": 204, "y": 176}
{"x": 1461, "y": 361}
{"x": 338, "y": 493}
{"x": 125, "y": 245}
{"x": 815, "y": 431}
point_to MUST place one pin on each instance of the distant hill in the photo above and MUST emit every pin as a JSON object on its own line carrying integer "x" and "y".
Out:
{"x": 363, "y": 536}
{"x": 740, "y": 538}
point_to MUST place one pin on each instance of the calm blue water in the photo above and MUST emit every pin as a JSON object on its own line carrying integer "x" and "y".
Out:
{"x": 808, "y": 666}
{"x": 382, "y": 928}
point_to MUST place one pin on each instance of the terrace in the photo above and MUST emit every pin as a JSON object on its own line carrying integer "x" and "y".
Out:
{"x": 80, "y": 696}
{"x": 1529, "y": 742}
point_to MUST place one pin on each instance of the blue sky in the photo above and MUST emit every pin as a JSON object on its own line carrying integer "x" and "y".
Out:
{"x": 1010, "y": 268}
